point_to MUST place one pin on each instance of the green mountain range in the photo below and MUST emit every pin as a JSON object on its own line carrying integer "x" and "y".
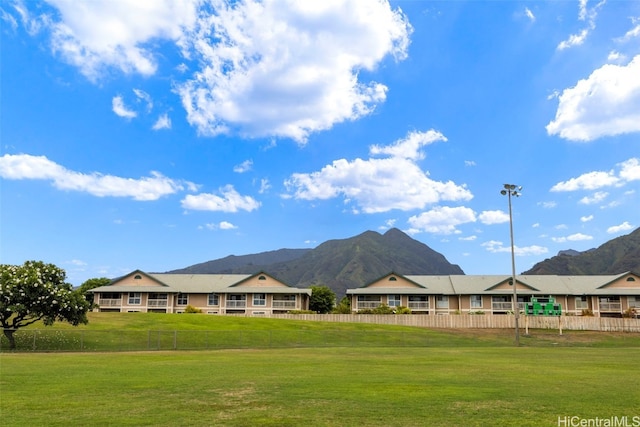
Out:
{"x": 356, "y": 261}
{"x": 339, "y": 264}
{"x": 615, "y": 256}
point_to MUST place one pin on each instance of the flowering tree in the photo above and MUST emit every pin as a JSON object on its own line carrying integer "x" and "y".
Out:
{"x": 37, "y": 291}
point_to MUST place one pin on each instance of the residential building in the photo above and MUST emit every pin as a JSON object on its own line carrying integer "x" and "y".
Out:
{"x": 604, "y": 295}
{"x": 256, "y": 294}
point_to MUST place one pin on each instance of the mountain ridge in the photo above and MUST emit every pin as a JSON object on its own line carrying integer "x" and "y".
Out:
{"x": 616, "y": 256}
{"x": 338, "y": 263}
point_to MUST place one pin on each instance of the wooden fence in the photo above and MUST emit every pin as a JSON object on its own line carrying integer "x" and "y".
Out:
{"x": 485, "y": 321}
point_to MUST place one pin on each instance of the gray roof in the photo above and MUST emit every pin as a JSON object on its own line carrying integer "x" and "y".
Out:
{"x": 487, "y": 284}
{"x": 201, "y": 284}
{"x": 158, "y": 289}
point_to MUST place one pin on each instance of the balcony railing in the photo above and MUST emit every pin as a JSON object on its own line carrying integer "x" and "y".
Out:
{"x": 610, "y": 306}
{"x": 284, "y": 304}
{"x": 418, "y": 305}
{"x": 506, "y": 306}
{"x": 236, "y": 304}
{"x": 368, "y": 304}
{"x": 157, "y": 303}
{"x": 110, "y": 302}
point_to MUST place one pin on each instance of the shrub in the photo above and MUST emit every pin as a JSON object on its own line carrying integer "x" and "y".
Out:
{"x": 403, "y": 310}
{"x": 630, "y": 313}
{"x": 301, "y": 312}
{"x": 192, "y": 309}
{"x": 587, "y": 312}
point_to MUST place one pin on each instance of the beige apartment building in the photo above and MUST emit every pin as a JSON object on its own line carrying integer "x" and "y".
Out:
{"x": 603, "y": 296}
{"x": 257, "y": 294}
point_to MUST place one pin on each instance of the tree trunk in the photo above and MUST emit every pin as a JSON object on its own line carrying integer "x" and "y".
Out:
{"x": 9, "y": 334}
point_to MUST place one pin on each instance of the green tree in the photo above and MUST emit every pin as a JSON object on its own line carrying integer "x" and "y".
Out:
{"x": 322, "y": 299}
{"x": 91, "y": 284}
{"x": 37, "y": 291}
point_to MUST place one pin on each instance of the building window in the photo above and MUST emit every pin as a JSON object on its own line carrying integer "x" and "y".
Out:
{"x": 134, "y": 298}
{"x": 183, "y": 299}
{"x": 137, "y": 277}
{"x": 157, "y": 300}
{"x": 501, "y": 303}
{"x": 418, "y": 302}
{"x": 394, "y": 300}
{"x": 284, "y": 301}
{"x": 476, "y": 301}
{"x": 259, "y": 299}
{"x": 630, "y": 279}
{"x": 236, "y": 301}
{"x": 634, "y": 301}
{"x": 442, "y": 301}
{"x": 392, "y": 279}
{"x": 213, "y": 299}
{"x": 610, "y": 303}
{"x": 368, "y": 301}
{"x": 262, "y": 278}
{"x": 582, "y": 303}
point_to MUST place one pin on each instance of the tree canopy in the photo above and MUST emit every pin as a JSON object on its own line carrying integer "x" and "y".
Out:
{"x": 37, "y": 291}
{"x": 322, "y": 299}
{"x": 91, "y": 284}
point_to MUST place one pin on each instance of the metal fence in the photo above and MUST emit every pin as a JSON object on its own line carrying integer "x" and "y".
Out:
{"x": 42, "y": 340}
{"x": 45, "y": 340}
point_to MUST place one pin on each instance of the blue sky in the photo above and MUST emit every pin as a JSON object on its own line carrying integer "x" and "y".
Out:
{"x": 160, "y": 134}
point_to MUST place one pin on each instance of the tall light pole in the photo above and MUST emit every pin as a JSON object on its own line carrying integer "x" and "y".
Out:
{"x": 513, "y": 190}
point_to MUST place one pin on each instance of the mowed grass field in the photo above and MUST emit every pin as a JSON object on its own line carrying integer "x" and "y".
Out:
{"x": 471, "y": 378}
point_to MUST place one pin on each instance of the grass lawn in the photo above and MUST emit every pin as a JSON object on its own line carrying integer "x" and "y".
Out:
{"x": 320, "y": 387}
{"x": 465, "y": 377}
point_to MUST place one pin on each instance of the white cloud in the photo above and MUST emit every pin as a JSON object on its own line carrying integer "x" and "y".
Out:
{"x": 630, "y": 169}
{"x": 529, "y": 14}
{"x": 625, "y": 226}
{"x": 279, "y": 68}
{"x": 586, "y": 218}
{"x": 588, "y": 181}
{"x": 229, "y": 201}
{"x": 144, "y": 96}
{"x": 409, "y": 147}
{"x": 597, "y": 197}
{"x": 442, "y": 220}
{"x": 572, "y": 238}
{"x": 243, "y": 167}
{"x": 264, "y": 186}
{"x": 223, "y": 225}
{"x": 163, "y": 122}
{"x": 288, "y": 68}
{"x": 493, "y": 217}
{"x": 120, "y": 109}
{"x": 101, "y": 34}
{"x": 574, "y": 40}
{"x": 468, "y": 239}
{"x": 24, "y": 166}
{"x": 494, "y": 246}
{"x": 547, "y": 205}
{"x": 378, "y": 185}
{"x": 469, "y": 163}
{"x": 584, "y": 14}
{"x": 607, "y": 103}
{"x": 615, "y": 56}
{"x": 632, "y": 33}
